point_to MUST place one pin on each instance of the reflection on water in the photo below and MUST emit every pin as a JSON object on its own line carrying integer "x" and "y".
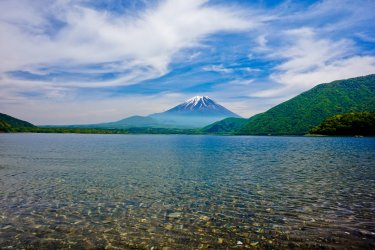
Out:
{"x": 183, "y": 192}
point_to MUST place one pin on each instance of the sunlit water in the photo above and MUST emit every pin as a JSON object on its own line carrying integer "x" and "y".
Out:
{"x": 183, "y": 192}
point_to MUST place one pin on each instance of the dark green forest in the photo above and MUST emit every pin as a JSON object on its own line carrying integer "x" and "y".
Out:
{"x": 355, "y": 123}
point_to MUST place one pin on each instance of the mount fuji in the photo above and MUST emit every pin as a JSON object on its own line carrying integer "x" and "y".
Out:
{"x": 196, "y": 112}
{"x": 201, "y": 106}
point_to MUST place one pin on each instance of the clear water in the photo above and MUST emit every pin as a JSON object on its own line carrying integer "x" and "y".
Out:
{"x": 183, "y": 192}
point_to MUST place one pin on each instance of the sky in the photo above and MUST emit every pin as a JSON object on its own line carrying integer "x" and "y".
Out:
{"x": 81, "y": 61}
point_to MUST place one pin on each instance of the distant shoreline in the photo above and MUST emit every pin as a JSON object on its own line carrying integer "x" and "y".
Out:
{"x": 108, "y": 132}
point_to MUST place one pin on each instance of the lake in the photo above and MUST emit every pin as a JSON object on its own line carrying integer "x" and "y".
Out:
{"x": 183, "y": 192}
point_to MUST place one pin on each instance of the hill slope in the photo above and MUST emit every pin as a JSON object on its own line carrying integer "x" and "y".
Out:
{"x": 226, "y": 126}
{"x": 7, "y": 123}
{"x": 305, "y": 111}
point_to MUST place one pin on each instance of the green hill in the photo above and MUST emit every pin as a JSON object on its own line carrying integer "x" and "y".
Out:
{"x": 356, "y": 123}
{"x": 8, "y": 123}
{"x": 226, "y": 126}
{"x": 305, "y": 111}
{"x": 4, "y": 127}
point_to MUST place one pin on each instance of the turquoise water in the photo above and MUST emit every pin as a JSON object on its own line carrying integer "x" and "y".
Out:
{"x": 183, "y": 192}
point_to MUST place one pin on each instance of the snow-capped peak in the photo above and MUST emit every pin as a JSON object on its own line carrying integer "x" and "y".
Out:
{"x": 200, "y": 106}
{"x": 198, "y": 99}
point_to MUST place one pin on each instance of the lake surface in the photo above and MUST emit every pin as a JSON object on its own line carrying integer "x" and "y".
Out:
{"x": 183, "y": 192}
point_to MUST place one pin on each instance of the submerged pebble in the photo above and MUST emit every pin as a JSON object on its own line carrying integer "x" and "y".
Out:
{"x": 254, "y": 243}
{"x": 204, "y": 218}
{"x": 174, "y": 215}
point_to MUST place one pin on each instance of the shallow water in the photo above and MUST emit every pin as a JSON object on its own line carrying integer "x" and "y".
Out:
{"x": 183, "y": 192}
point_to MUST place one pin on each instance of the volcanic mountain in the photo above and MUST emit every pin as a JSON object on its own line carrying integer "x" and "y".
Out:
{"x": 200, "y": 106}
{"x": 196, "y": 112}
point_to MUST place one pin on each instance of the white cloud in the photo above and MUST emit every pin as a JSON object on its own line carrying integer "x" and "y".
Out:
{"x": 222, "y": 69}
{"x": 261, "y": 42}
{"x": 334, "y": 16}
{"x": 309, "y": 60}
{"x": 308, "y": 52}
{"x": 241, "y": 82}
{"x": 339, "y": 69}
{"x": 217, "y": 68}
{"x": 365, "y": 37}
{"x": 141, "y": 45}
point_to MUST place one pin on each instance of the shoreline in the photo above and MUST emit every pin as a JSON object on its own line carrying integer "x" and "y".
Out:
{"x": 120, "y": 132}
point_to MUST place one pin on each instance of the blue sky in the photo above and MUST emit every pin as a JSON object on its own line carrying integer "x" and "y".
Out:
{"x": 68, "y": 62}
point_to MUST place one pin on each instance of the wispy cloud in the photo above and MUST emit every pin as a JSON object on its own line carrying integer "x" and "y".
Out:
{"x": 217, "y": 68}
{"x": 310, "y": 60}
{"x": 323, "y": 49}
{"x": 220, "y": 68}
{"x": 138, "y": 47}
